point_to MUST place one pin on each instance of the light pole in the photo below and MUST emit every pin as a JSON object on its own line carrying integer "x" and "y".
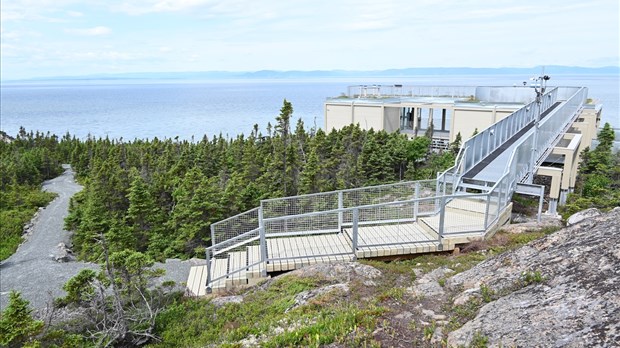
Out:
{"x": 540, "y": 84}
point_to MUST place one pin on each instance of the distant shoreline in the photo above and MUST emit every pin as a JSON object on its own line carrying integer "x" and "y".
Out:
{"x": 326, "y": 74}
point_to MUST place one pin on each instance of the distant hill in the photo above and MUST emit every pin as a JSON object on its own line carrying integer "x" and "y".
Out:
{"x": 297, "y": 74}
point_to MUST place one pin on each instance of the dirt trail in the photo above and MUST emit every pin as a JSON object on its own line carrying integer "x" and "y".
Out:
{"x": 33, "y": 271}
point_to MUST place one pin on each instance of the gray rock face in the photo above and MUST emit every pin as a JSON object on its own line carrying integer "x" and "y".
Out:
{"x": 339, "y": 272}
{"x": 306, "y": 296}
{"x": 582, "y": 215}
{"x": 221, "y": 301}
{"x": 562, "y": 290}
{"x": 523, "y": 225}
{"x": 428, "y": 284}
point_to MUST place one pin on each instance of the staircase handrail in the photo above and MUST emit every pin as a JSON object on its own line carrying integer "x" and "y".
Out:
{"x": 489, "y": 139}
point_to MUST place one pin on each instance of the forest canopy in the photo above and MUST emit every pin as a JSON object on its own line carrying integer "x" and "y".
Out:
{"x": 160, "y": 197}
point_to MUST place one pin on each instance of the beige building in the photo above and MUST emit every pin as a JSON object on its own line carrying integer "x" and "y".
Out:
{"x": 413, "y": 109}
{"x": 450, "y": 110}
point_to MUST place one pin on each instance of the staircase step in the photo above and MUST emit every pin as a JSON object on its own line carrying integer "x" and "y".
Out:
{"x": 197, "y": 281}
{"x": 253, "y": 258}
{"x": 473, "y": 205}
{"x": 219, "y": 268}
{"x": 238, "y": 263}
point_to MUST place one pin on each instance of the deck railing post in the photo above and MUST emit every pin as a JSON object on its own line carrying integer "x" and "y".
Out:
{"x": 437, "y": 194}
{"x": 213, "y": 241}
{"x": 486, "y": 211}
{"x": 340, "y": 213}
{"x": 263, "y": 241}
{"x": 501, "y": 201}
{"x": 442, "y": 217}
{"x": 356, "y": 214}
{"x": 416, "y": 204}
{"x": 208, "y": 256}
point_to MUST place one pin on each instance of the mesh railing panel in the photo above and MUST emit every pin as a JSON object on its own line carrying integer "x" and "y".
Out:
{"x": 296, "y": 205}
{"x": 392, "y": 212}
{"x": 320, "y": 222}
{"x": 466, "y": 214}
{"x": 485, "y": 142}
{"x": 378, "y": 194}
{"x": 551, "y": 127}
{"x": 234, "y": 226}
{"x": 494, "y": 203}
{"x": 236, "y": 255}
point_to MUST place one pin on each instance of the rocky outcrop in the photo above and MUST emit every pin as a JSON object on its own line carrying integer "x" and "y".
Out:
{"x": 522, "y": 224}
{"x": 560, "y": 291}
{"x": 339, "y": 272}
{"x": 582, "y": 215}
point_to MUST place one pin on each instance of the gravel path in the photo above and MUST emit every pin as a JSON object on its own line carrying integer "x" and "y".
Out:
{"x": 33, "y": 271}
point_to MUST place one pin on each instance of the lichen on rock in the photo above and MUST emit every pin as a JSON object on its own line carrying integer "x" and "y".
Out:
{"x": 562, "y": 290}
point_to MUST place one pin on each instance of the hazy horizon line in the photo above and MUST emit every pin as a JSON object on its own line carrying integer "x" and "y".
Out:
{"x": 333, "y": 73}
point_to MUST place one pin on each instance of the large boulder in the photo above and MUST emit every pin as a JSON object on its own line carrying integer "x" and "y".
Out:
{"x": 582, "y": 215}
{"x": 560, "y": 291}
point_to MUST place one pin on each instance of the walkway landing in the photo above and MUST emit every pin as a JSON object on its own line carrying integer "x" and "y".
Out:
{"x": 464, "y": 220}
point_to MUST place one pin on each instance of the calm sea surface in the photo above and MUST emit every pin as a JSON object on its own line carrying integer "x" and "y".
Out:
{"x": 167, "y": 109}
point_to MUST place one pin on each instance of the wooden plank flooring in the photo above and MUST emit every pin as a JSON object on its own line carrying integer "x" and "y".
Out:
{"x": 292, "y": 252}
{"x": 288, "y": 253}
{"x": 237, "y": 261}
{"x": 401, "y": 239}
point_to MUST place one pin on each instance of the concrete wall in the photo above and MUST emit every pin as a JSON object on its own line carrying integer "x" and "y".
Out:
{"x": 466, "y": 121}
{"x": 368, "y": 116}
{"x": 337, "y": 116}
{"x": 391, "y": 121}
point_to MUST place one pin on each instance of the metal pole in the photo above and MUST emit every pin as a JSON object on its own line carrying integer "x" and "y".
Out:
{"x": 486, "y": 211}
{"x": 354, "y": 237}
{"x": 207, "y": 254}
{"x": 541, "y": 198}
{"x": 442, "y": 216}
{"x": 263, "y": 241}
{"x": 340, "y": 213}
{"x": 416, "y": 204}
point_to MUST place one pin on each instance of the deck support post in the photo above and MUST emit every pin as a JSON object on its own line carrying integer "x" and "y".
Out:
{"x": 356, "y": 215}
{"x": 340, "y": 207}
{"x": 442, "y": 217}
{"x": 208, "y": 256}
{"x": 541, "y": 198}
{"x": 263, "y": 241}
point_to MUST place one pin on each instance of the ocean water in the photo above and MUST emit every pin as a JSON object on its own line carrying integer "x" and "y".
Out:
{"x": 185, "y": 108}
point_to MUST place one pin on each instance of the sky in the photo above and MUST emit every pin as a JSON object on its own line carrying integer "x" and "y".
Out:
{"x": 43, "y": 38}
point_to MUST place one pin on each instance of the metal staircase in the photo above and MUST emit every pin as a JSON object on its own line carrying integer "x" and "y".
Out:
{"x": 466, "y": 202}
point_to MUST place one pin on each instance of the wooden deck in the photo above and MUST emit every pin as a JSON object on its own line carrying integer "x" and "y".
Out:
{"x": 293, "y": 252}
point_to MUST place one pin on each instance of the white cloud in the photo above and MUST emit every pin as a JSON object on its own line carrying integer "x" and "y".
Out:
{"x": 74, "y": 14}
{"x": 94, "y": 31}
{"x": 153, "y": 6}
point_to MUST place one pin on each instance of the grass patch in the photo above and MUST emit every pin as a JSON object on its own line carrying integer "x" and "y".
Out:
{"x": 267, "y": 315}
{"x": 479, "y": 341}
{"x": 460, "y": 314}
{"x": 16, "y": 209}
{"x": 532, "y": 277}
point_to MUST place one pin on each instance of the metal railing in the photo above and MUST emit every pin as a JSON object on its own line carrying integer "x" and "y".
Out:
{"x": 553, "y": 126}
{"x": 478, "y": 147}
{"x": 432, "y": 203}
{"x": 387, "y": 91}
